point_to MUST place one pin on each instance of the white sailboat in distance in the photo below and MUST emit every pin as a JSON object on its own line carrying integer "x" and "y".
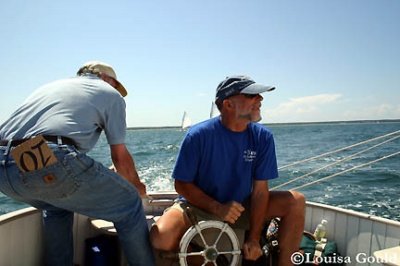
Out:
{"x": 186, "y": 121}
{"x": 214, "y": 110}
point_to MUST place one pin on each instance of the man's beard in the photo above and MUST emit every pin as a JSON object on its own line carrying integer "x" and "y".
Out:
{"x": 250, "y": 117}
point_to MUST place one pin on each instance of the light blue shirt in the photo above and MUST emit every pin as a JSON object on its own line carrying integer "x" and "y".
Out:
{"x": 78, "y": 108}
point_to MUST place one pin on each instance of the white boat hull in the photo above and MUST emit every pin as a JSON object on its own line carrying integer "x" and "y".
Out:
{"x": 355, "y": 233}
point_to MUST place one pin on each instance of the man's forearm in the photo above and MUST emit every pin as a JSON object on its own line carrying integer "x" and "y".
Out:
{"x": 127, "y": 169}
{"x": 125, "y": 166}
{"x": 197, "y": 197}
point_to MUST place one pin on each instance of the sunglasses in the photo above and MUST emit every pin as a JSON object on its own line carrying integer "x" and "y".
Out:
{"x": 246, "y": 95}
{"x": 250, "y": 96}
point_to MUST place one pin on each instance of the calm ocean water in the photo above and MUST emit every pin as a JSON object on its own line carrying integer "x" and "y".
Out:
{"x": 372, "y": 189}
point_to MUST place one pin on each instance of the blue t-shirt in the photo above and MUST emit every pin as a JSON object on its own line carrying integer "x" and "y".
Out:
{"x": 224, "y": 163}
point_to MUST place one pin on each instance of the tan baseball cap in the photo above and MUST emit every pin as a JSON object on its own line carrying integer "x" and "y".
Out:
{"x": 97, "y": 67}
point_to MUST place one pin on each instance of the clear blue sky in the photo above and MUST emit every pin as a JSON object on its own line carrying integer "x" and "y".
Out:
{"x": 330, "y": 60}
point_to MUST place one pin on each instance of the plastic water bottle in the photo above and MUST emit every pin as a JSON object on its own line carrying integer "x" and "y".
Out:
{"x": 320, "y": 231}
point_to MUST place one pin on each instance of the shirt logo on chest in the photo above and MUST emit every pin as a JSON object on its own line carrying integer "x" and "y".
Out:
{"x": 249, "y": 155}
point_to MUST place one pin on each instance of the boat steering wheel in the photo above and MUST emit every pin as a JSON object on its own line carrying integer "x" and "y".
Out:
{"x": 211, "y": 250}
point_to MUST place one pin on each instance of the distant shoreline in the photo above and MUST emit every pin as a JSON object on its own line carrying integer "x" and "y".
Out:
{"x": 289, "y": 123}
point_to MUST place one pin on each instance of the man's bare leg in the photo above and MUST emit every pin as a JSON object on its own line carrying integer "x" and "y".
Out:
{"x": 166, "y": 233}
{"x": 290, "y": 207}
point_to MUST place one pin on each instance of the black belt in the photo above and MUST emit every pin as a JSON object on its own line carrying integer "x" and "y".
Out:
{"x": 53, "y": 139}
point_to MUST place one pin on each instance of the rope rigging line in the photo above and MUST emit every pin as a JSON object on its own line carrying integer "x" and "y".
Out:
{"x": 338, "y": 150}
{"x": 337, "y": 162}
{"x": 347, "y": 170}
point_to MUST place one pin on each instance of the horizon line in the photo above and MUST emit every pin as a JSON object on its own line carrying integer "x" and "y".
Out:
{"x": 291, "y": 123}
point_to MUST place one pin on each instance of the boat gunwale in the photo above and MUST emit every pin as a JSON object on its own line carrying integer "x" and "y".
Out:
{"x": 353, "y": 213}
{"x": 17, "y": 214}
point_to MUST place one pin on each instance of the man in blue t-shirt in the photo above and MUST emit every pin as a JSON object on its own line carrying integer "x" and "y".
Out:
{"x": 222, "y": 173}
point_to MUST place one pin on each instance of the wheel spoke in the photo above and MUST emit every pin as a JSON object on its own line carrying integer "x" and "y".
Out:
{"x": 198, "y": 229}
{"x": 233, "y": 252}
{"x": 198, "y": 253}
{"x": 223, "y": 229}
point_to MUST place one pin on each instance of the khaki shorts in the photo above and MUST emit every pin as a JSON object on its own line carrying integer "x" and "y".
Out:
{"x": 242, "y": 223}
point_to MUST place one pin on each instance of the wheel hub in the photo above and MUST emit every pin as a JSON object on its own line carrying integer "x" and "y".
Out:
{"x": 211, "y": 254}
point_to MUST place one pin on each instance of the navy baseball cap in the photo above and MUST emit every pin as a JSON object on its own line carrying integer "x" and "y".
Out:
{"x": 235, "y": 85}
